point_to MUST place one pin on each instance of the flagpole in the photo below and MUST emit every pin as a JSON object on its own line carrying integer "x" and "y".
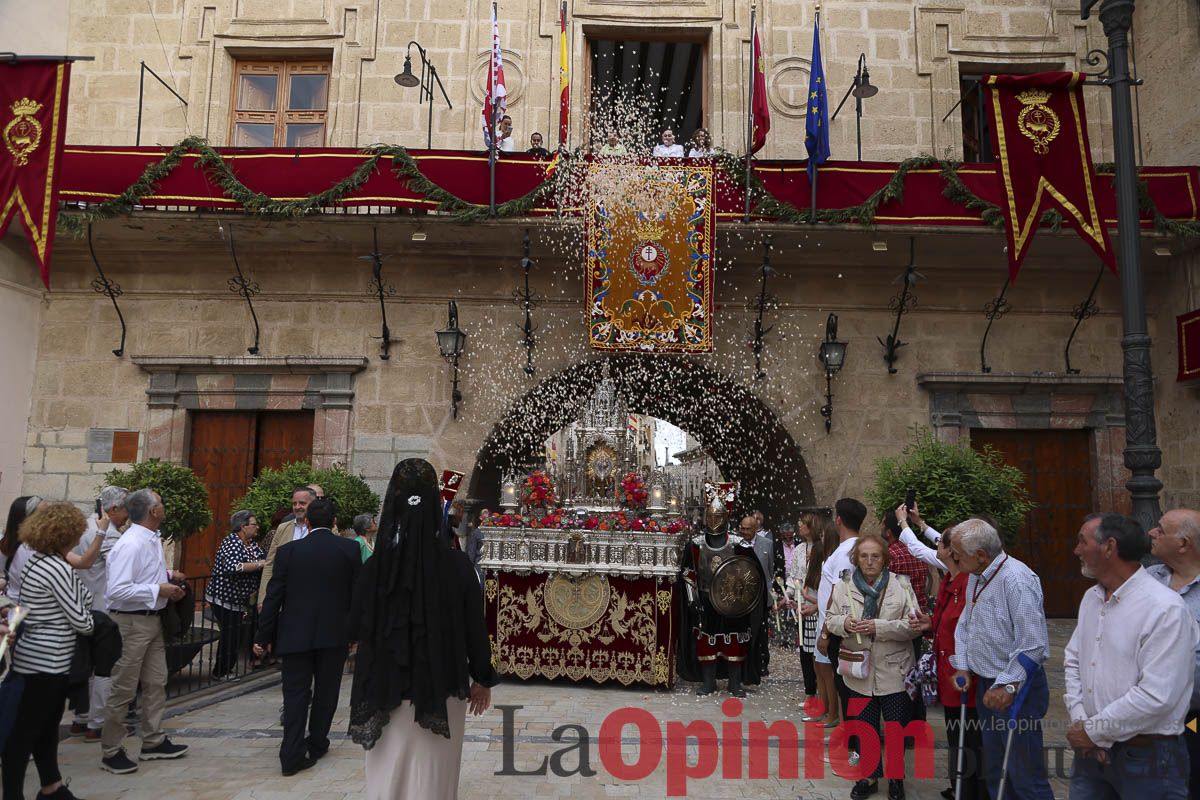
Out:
{"x": 564, "y": 120}
{"x": 491, "y": 101}
{"x": 750, "y": 110}
{"x": 816, "y": 171}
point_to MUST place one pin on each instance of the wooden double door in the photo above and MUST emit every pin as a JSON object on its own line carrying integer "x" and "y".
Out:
{"x": 227, "y": 451}
{"x": 1058, "y": 474}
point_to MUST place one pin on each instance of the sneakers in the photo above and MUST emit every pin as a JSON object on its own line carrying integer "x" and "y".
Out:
{"x": 164, "y": 749}
{"x": 61, "y": 793}
{"x": 118, "y": 763}
{"x": 92, "y": 735}
{"x": 863, "y": 789}
{"x": 78, "y": 728}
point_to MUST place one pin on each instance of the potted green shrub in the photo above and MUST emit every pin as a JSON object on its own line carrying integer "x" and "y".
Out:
{"x": 272, "y": 490}
{"x": 952, "y": 482}
{"x": 183, "y": 494}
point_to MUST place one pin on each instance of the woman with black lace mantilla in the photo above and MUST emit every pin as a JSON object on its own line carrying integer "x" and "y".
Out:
{"x": 423, "y": 654}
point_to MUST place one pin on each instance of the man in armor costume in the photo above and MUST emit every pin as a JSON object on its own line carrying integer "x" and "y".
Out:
{"x": 724, "y": 600}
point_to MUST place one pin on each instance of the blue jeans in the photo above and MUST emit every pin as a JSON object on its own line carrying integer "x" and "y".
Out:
{"x": 1026, "y": 759}
{"x": 1158, "y": 770}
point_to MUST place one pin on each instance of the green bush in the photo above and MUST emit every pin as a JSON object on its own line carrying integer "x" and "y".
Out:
{"x": 183, "y": 494}
{"x": 272, "y": 489}
{"x": 952, "y": 482}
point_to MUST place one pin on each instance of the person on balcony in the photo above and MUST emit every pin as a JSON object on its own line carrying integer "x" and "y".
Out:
{"x": 667, "y": 146}
{"x": 701, "y": 145}
{"x": 423, "y": 652}
{"x": 612, "y": 146}
{"x": 536, "y": 147}
{"x": 236, "y": 569}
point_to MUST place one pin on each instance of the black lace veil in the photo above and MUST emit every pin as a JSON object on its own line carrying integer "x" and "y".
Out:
{"x": 409, "y": 630}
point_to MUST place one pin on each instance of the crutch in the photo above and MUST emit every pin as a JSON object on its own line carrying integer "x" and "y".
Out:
{"x": 962, "y": 733}
{"x": 1012, "y": 728}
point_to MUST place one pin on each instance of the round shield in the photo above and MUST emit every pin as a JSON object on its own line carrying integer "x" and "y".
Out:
{"x": 736, "y": 587}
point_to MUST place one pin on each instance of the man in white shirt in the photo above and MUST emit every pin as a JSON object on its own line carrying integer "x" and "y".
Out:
{"x": 1129, "y": 671}
{"x": 1176, "y": 542}
{"x": 107, "y": 526}
{"x": 668, "y": 148}
{"x": 848, "y": 519}
{"x": 139, "y": 586}
{"x": 292, "y": 530}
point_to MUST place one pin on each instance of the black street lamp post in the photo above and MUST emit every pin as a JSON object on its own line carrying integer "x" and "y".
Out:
{"x": 428, "y": 77}
{"x": 451, "y": 341}
{"x": 1142, "y": 455}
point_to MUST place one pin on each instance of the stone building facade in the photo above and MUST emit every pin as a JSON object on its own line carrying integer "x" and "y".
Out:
{"x": 186, "y": 351}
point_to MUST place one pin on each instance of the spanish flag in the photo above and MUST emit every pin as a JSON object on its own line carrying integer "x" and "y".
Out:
{"x": 564, "y": 78}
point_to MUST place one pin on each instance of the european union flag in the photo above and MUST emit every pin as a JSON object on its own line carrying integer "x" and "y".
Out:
{"x": 816, "y": 126}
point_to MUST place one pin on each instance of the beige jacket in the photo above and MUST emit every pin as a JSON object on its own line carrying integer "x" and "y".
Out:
{"x": 283, "y": 534}
{"x": 891, "y": 648}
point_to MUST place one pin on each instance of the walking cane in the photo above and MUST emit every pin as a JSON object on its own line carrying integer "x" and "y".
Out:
{"x": 962, "y": 733}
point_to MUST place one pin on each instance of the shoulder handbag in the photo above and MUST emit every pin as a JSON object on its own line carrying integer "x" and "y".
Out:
{"x": 854, "y": 663}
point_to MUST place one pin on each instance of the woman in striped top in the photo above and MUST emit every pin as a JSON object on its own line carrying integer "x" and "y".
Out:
{"x": 59, "y": 607}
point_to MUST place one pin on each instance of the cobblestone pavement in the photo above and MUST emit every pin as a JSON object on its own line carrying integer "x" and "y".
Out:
{"x": 234, "y": 747}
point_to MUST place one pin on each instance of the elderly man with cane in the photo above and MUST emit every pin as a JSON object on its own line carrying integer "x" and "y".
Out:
{"x": 1001, "y": 639}
{"x": 1128, "y": 671}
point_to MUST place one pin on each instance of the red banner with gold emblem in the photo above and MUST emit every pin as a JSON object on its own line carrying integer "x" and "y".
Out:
{"x": 1188, "y": 326}
{"x": 33, "y": 117}
{"x": 1039, "y": 130}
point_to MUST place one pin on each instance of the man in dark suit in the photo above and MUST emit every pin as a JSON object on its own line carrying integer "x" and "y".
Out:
{"x": 306, "y": 619}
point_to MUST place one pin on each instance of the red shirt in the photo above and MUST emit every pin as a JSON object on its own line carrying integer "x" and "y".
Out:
{"x": 905, "y": 563}
{"x": 951, "y": 600}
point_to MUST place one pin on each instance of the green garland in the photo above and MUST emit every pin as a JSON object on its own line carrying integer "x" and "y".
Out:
{"x": 405, "y": 166}
{"x": 210, "y": 160}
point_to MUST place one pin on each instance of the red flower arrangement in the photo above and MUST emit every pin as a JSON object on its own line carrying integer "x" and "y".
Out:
{"x": 609, "y": 521}
{"x": 632, "y": 492}
{"x": 538, "y": 490}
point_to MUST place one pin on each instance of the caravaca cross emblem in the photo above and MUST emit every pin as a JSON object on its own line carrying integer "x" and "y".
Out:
{"x": 23, "y": 133}
{"x": 649, "y": 260}
{"x": 1037, "y": 121}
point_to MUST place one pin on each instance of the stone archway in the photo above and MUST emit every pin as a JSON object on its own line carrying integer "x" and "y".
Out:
{"x": 742, "y": 434}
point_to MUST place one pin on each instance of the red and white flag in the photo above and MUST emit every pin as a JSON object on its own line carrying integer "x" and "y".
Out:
{"x": 495, "y": 101}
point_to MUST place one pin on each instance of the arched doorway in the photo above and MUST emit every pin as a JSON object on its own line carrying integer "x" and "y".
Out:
{"x": 745, "y": 438}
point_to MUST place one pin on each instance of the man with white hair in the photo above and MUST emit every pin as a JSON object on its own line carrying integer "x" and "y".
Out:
{"x": 108, "y": 525}
{"x": 1002, "y": 639}
{"x": 1175, "y": 541}
{"x": 139, "y": 586}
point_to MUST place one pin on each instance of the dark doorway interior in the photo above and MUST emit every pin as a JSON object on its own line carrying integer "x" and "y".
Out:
{"x": 1058, "y": 474}
{"x": 228, "y": 449}
{"x": 668, "y": 76}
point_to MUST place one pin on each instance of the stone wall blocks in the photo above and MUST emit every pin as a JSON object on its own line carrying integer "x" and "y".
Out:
{"x": 369, "y": 443}
{"x": 65, "y": 460}
{"x": 52, "y": 487}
